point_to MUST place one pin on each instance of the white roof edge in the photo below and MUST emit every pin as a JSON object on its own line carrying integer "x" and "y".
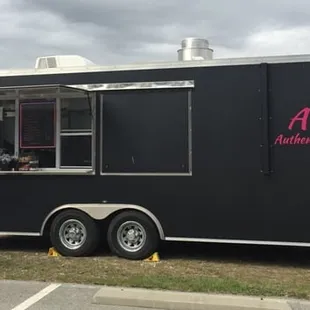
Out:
{"x": 161, "y": 65}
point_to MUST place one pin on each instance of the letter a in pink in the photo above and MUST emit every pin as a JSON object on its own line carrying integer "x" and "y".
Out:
{"x": 300, "y": 116}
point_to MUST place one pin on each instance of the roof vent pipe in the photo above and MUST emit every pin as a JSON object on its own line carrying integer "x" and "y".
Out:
{"x": 195, "y": 49}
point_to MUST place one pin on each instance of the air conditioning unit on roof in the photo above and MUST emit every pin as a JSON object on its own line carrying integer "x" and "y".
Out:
{"x": 62, "y": 61}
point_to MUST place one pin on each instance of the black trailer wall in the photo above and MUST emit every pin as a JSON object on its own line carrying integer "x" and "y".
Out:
{"x": 231, "y": 194}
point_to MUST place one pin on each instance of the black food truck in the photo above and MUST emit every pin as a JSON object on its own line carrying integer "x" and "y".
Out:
{"x": 214, "y": 150}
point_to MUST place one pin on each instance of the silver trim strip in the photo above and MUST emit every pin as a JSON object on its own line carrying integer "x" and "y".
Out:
{"x": 190, "y": 147}
{"x": 81, "y": 133}
{"x": 16, "y": 144}
{"x": 62, "y": 96}
{"x": 58, "y": 131}
{"x": 26, "y": 234}
{"x": 227, "y": 241}
{"x": 134, "y": 85}
{"x": 35, "y": 87}
{"x": 93, "y": 99}
{"x": 101, "y": 136}
{"x": 76, "y": 167}
{"x": 59, "y": 171}
{"x": 237, "y": 241}
{"x": 52, "y": 96}
{"x": 76, "y": 130}
{"x": 149, "y": 174}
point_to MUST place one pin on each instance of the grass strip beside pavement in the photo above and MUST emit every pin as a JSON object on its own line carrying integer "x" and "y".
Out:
{"x": 173, "y": 274}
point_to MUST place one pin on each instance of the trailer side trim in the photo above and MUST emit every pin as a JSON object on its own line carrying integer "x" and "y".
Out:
{"x": 17, "y": 233}
{"x": 177, "y": 239}
{"x": 237, "y": 241}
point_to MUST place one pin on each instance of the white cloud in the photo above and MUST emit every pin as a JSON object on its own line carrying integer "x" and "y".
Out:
{"x": 280, "y": 41}
{"x": 122, "y": 31}
{"x": 271, "y": 42}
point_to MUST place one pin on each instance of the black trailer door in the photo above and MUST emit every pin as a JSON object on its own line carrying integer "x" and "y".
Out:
{"x": 289, "y": 207}
{"x": 146, "y": 132}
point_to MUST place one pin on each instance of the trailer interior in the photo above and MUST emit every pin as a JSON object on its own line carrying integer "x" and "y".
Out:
{"x": 41, "y": 126}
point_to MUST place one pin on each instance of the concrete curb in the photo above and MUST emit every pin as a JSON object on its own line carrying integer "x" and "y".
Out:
{"x": 154, "y": 299}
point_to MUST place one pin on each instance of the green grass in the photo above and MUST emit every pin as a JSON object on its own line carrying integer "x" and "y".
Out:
{"x": 193, "y": 275}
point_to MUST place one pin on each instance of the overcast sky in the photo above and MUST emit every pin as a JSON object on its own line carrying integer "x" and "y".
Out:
{"x": 126, "y": 31}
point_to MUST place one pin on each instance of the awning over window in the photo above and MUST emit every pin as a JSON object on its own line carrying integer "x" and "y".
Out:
{"x": 42, "y": 90}
{"x": 134, "y": 85}
{"x": 37, "y": 90}
{"x": 12, "y": 92}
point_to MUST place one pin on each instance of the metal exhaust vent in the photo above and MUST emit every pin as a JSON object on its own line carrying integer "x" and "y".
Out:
{"x": 195, "y": 49}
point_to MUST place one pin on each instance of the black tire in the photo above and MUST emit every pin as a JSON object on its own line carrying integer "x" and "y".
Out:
{"x": 91, "y": 240}
{"x": 151, "y": 235}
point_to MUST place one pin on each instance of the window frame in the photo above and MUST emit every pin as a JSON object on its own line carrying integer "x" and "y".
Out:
{"x": 76, "y": 132}
{"x": 57, "y": 96}
{"x": 162, "y": 85}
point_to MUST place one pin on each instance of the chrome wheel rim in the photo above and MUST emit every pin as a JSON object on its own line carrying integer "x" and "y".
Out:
{"x": 72, "y": 234}
{"x": 131, "y": 236}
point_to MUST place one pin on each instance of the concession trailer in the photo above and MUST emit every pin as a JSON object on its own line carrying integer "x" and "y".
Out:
{"x": 196, "y": 150}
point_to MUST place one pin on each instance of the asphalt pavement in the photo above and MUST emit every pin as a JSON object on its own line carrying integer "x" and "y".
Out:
{"x": 23, "y": 295}
{"x": 19, "y": 295}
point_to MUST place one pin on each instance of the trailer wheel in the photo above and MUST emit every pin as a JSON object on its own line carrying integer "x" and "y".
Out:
{"x": 73, "y": 233}
{"x": 132, "y": 235}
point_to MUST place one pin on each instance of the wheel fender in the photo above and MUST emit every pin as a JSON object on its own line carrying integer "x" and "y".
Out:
{"x": 102, "y": 211}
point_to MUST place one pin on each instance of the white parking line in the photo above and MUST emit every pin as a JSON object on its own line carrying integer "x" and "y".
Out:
{"x": 35, "y": 298}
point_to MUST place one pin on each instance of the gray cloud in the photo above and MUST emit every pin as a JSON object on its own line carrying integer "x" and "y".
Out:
{"x": 121, "y": 31}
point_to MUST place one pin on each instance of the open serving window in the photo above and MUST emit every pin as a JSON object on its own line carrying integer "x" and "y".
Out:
{"x": 145, "y": 128}
{"x": 46, "y": 128}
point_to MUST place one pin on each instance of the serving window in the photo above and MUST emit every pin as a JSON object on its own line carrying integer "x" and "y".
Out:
{"x": 47, "y": 128}
{"x": 145, "y": 128}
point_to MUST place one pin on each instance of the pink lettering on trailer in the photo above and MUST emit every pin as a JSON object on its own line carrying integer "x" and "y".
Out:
{"x": 300, "y": 120}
